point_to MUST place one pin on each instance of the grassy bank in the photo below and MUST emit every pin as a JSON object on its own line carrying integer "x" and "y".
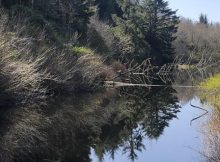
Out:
{"x": 210, "y": 92}
{"x": 211, "y": 89}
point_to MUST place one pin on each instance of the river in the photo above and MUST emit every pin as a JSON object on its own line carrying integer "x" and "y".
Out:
{"x": 114, "y": 124}
{"x": 181, "y": 141}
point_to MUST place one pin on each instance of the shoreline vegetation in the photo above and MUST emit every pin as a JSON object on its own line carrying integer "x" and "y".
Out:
{"x": 47, "y": 50}
{"x": 210, "y": 93}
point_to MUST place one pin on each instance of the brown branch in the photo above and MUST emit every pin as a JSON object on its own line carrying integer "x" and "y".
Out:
{"x": 206, "y": 112}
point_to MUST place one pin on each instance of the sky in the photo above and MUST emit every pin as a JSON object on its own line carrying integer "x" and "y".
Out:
{"x": 193, "y": 8}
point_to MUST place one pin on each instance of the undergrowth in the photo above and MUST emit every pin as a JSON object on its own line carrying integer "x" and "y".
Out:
{"x": 212, "y": 83}
{"x": 35, "y": 66}
{"x": 210, "y": 92}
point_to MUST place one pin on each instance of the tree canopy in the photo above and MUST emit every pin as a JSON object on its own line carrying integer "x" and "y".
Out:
{"x": 150, "y": 24}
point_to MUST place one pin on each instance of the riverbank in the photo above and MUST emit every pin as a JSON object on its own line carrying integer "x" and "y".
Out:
{"x": 210, "y": 93}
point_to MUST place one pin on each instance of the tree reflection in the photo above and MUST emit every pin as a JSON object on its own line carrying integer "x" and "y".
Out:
{"x": 65, "y": 129}
{"x": 140, "y": 112}
{"x": 209, "y": 93}
{"x": 134, "y": 143}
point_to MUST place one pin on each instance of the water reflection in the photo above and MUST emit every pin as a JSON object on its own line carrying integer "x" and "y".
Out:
{"x": 68, "y": 127}
{"x": 140, "y": 113}
{"x": 211, "y": 129}
{"x": 211, "y": 132}
{"x": 64, "y": 130}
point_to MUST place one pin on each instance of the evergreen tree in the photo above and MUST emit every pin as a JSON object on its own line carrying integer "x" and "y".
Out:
{"x": 71, "y": 15}
{"x": 106, "y": 8}
{"x": 9, "y": 3}
{"x": 160, "y": 25}
{"x": 128, "y": 7}
{"x": 152, "y": 25}
{"x": 130, "y": 25}
{"x": 203, "y": 19}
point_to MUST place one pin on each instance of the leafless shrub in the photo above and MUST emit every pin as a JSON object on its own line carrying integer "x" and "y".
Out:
{"x": 33, "y": 65}
{"x": 212, "y": 138}
{"x": 18, "y": 77}
{"x": 197, "y": 43}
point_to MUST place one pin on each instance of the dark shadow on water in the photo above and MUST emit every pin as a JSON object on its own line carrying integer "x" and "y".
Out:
{"x": 140, "y": 113}
{"x": 65, "y": 128}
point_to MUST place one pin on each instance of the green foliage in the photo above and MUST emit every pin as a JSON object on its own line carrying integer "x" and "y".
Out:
{"x": 106, "y": 8}
{"x": 8, "y": 3}
{"x": 131, "y": 39}
{"x": 210, "y": 91}
{"x": 82, "y": 50}
{"x": 148, "y": 27}
{"x": 124, "y": 43}
{"x": 160, "y": 27}
{"x": 73, "y": 15}
{"x": 35, "y": 22}
{"x": 212, "y": 83}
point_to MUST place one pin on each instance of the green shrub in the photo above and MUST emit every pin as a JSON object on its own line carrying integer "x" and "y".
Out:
{"x": 212, "y": 83}
{"x": 82, "y": 51}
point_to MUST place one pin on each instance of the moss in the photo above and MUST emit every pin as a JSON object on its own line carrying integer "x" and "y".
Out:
{"x": 82, "y": 51}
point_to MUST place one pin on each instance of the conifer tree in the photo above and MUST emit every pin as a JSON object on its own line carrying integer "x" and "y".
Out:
{"x": 106, "y": 8}
{"x": 151, "y": 23}
{"x": 203, "y": 19}
{"x": 160, "y": 25}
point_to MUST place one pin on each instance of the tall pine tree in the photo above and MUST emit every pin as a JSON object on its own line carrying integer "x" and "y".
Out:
{"x": 106, "y": 8}
{"x": 203, "y": 19}
{"x": 160, "y": 26}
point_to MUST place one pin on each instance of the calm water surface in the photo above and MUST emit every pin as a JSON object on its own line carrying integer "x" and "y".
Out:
{"x": 141, "y": 124}
{"x": 180, "y": 141}
{"x": 159, "y": 125}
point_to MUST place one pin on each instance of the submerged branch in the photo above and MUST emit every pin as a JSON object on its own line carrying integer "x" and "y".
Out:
{"x": 206, "y": 112}
{"x": 122, "y": 84}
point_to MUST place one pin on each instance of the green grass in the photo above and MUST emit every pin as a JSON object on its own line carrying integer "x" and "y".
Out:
{"x": 210, "y": 91}
{"x": 212, "y": 83}
{"x": 82, "y": 50}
